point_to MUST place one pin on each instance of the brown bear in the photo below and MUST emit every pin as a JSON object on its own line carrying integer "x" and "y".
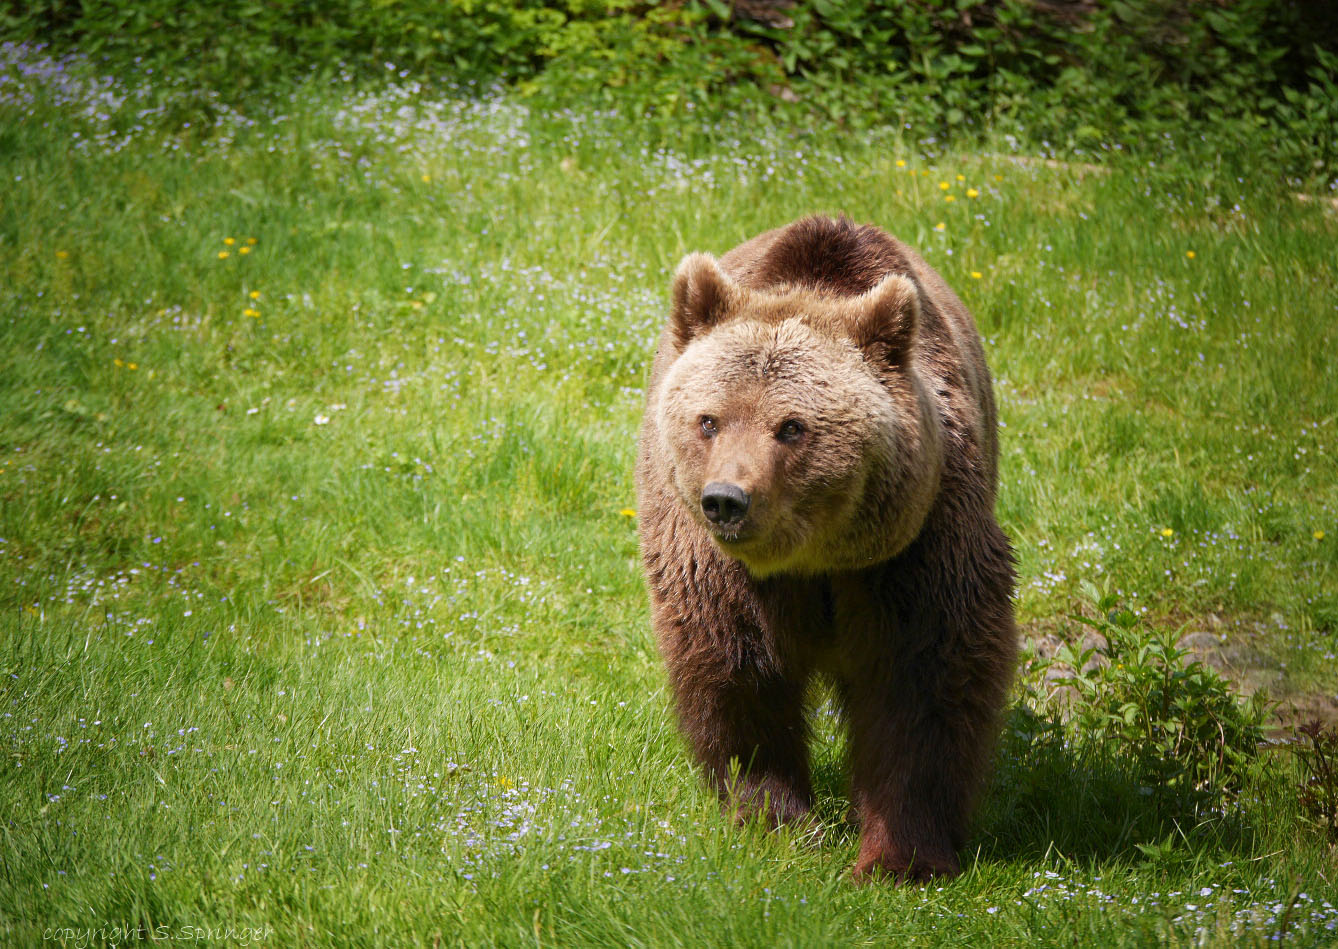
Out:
{"x": 816, "y": 481}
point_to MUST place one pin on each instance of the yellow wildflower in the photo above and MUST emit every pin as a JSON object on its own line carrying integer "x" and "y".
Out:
{"x": 950, "y": 197}
{"x": 117, "y": 362}
{"x": 250, "y": 312}
{"x": 132, "y": 365}
{"x": 1318, "y": 535}
{"x": 427, "y": 179}
{"x": 62, "y": 254}
{"x": 255, "y": 294}
{"x": 223, "y": 255}
{"x": 940, "y": 226}
{"x": 252, "y": 241}
{"x": 972, "y": 193}
{"x": 976, "y": 275}
{"x": 944, "y": 186}
{"x": 627, "y": 512}
{"x": 229, "y": 241}
{"x": 243, "y": 250}
{"x": 1189, "y": 254}
{"x": 961, "y": 177}
{"x": 1167, "y": 531}
{"x": 901, "y": 163}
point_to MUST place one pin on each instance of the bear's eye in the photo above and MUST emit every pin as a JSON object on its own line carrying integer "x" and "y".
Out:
{"x": 789, "y": 431}
{"x": 708, "y": 426}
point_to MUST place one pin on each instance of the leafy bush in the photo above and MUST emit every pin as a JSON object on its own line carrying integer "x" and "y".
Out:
{"x": 1151, "y": 74}
{"x": 1173, "y": 722}
{"x": 1079, "y": 75}
{"x": 236, "y": 45}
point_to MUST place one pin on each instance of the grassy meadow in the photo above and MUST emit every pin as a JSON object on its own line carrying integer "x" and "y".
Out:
{"x": 321, "y": 620}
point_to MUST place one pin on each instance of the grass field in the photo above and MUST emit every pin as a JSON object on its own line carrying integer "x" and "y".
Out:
{"x": 321, "y": 620}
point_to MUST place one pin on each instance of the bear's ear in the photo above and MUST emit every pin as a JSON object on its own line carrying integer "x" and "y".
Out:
{"x": 887, "y": 320}
{"x": 703, "y": 296}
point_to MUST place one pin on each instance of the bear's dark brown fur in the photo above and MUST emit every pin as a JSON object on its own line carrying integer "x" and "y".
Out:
{"x": 816, "y": 483}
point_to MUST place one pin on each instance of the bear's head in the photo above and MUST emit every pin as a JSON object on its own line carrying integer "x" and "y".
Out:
{"x": 798, "y": 431}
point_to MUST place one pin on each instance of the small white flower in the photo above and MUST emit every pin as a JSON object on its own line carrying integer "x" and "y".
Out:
{"x": 322, "y": 420}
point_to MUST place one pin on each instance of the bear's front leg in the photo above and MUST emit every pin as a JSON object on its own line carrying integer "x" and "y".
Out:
{"x": 734, "y": 651}
{"x": 746, "y": 728}
{"x": 930, "y": 650}
{"x": 911, "y": 816}
{"x": 921, "y": 732}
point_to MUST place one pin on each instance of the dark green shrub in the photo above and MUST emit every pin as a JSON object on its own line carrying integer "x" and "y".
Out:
{"x": 1174, "y": 723}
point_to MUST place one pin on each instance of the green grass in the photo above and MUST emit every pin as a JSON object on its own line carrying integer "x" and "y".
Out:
{"x": 328, "y": 621}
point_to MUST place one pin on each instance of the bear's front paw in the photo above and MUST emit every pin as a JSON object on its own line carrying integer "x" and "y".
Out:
{"x": 921, "y": 867}
{"x": 771, "y": 799}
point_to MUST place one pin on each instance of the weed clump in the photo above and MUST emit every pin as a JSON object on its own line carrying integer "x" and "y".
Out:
{"x": 1316, "y": 748}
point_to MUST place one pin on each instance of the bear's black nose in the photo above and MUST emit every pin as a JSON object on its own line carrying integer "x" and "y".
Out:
{"x": 724, "y": 504}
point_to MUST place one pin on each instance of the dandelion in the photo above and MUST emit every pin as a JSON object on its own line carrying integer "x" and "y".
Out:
{"x": 1189, "y": 254}
{"x": 976, "y": 275}
{"x": 254, "y": 294}
{"x": 944, "y": 186}
{"x": 629, "y": 512}
{"x": 998, "y": 177}
{"x": 940, "y": 226}
{"x": 950, "y": 197}
{"x": 1167, "y": 531}
{"x": 229, "y": 241}
{"x": 223, "y": 255}
{"x": 901, "y": 163}
{"x": 961, "y": 177}
{"x": 252, "y": 241}
{"x": 243, "y": 250}
{"x": 251, "y": 311}
{"x": 427, "y": 179}
{"x": 132, "y": 365}
{"x": 972, "y": 193}
{"x": 1318, "y": 535}
{"x": 62, "y": 254}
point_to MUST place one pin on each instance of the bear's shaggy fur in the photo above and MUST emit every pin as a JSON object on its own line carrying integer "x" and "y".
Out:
{"x": 816, "y": 482}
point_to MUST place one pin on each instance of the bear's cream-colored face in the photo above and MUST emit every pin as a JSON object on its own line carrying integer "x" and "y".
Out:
{"x": 775, "y": 419}
{"x": 786, "y": 417}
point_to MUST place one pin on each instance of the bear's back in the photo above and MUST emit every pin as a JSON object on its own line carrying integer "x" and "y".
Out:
{"x": 822, "y": 254}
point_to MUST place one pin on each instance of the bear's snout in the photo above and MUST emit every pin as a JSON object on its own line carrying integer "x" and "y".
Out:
{"x": 724, "y": 504}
